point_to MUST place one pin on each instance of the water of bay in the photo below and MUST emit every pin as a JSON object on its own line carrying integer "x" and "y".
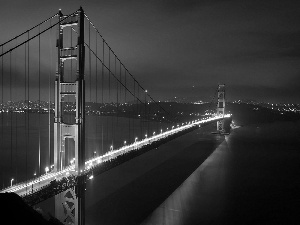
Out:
{"x": 251, "y": 178}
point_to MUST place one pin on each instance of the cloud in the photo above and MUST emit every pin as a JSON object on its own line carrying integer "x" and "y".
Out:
{"x": 171, "y": 45}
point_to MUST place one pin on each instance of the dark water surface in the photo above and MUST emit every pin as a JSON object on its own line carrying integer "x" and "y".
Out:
{"x": 127, "y": 194}
{"x": 252, "y": 178}
{"x": 248, "y": 177}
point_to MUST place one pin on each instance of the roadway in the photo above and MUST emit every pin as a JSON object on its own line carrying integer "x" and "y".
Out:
{"x": 33, "y": 185}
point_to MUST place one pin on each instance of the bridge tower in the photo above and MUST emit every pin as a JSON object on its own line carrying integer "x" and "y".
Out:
{"x": 221, "y": 107}
{"x": 69, "y": 205}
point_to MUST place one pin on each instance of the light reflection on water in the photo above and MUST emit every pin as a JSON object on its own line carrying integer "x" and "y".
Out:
{"x": 194, "y": 195}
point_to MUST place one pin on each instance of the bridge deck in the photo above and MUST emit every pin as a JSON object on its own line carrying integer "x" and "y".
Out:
{"x": 32, "y": 186}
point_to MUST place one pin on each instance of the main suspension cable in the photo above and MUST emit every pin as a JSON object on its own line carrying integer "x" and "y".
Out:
{"x": 29, "y": 30}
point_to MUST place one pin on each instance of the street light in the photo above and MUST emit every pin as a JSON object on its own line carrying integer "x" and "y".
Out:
{"x": 111, "y": 148}
{"x": 135, "y": 142}
{"x": 125, "y": 150}
{"x": 94, "y": 154}
{"x": 11, "y": 181}
{"x": 32, "y": 183}
{"x": 145, "y": 135}
{"x": 47, "y": 169}
{"x": 153, "y": 133}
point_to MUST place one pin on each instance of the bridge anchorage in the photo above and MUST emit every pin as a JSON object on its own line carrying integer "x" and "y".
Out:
{"x": 69, "y": 204}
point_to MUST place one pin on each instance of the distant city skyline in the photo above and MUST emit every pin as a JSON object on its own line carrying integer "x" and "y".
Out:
{"x": 185, "y": 49}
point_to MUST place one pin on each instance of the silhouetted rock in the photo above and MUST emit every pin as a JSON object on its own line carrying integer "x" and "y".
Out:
{"x": 15, "y": 211}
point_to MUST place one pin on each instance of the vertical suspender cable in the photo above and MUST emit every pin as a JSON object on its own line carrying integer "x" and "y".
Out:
{"x": 96, "y": 89}
{"x": 109, "y": 99}
{"x": 16, "y": 128}
{"x": 102, "y": 69}
{"x": 145, "y": 120}
{"x": 102, "y": 81}
{"x": 147, "y": 113}
{"x": 109, "y": 75}
{"x": 125, "y": 89}
{"x": 112, "y": 116}
{"x": 49, "y": 100}
{"x": 90, "y": 71}
{"x": 10, "y": 112}
{"x": 133, "y": 102}
{"x": 120, "y": 98}
{"x": 96, "y": 70}
{"x": 121, "y": 82}
{"x": 28, "y": 106}
{"x": 90, "y": 64}
{"x": 39, "y": 104}
{"x": 117, "y": 93}
{"x": 26, "y": 112}
{"x": 139, "y": 113}
{"x": 127, "y": 106}
{"x": 2, "y": 109}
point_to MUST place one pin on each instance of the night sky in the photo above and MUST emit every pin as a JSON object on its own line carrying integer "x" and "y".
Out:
{"x": 186, "y": 48}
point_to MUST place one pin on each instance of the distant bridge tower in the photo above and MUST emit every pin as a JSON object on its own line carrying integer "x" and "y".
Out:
{"x": 69, "y": 205}
{"x": 221, "y": 107}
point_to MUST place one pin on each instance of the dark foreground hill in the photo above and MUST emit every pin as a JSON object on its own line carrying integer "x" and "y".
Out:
{"x": 15, "y": 211}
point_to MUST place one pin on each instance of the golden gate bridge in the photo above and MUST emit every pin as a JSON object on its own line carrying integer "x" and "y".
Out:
{"x": 87, "y": 117}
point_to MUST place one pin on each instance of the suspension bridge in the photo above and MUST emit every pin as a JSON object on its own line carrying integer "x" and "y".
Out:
{"x": 61, "y": 127}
